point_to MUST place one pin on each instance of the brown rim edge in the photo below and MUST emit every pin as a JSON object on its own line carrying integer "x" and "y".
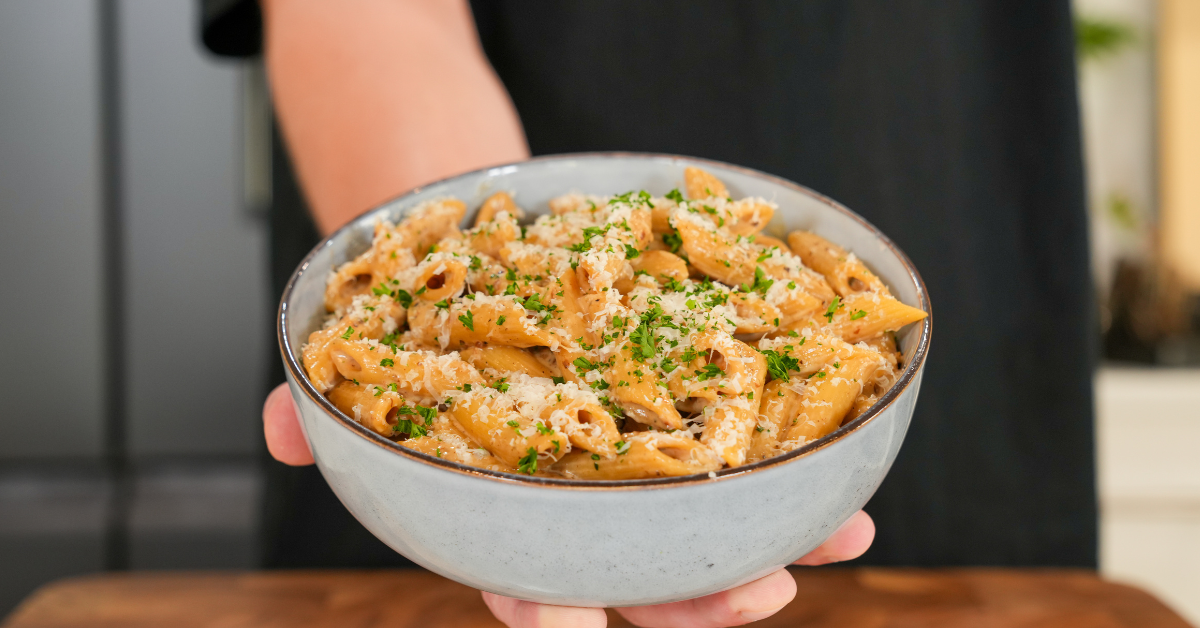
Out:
{"x": 906, "y": 378}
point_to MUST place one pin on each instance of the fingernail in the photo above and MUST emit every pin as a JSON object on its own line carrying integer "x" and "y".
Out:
{"x": 757, "y": 615}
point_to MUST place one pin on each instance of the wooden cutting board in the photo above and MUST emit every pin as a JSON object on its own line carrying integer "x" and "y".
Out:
{"x": 862, "y": 598}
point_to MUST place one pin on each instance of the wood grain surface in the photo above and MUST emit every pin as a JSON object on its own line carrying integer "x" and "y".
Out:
{"x": 863, "y": 598}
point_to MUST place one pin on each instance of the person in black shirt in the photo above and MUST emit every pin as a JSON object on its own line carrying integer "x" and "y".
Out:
{"x": 951, "y": 126}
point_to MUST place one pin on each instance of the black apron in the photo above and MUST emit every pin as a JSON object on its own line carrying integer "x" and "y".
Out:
{"x": 953, "y": 126}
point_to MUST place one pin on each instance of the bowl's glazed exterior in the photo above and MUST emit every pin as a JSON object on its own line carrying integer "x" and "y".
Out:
{"x": 606, "y": 543}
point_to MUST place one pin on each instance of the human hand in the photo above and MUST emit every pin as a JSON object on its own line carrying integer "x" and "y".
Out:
{"x": 740, "y": 605}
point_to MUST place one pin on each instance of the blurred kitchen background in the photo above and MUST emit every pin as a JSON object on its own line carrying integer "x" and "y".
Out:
{"x": 134, "y": 175}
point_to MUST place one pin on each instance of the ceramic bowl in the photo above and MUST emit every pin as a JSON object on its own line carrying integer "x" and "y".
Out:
{"x": 620, "y": 543}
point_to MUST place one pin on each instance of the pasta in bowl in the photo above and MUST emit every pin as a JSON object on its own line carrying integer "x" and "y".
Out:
{"x": 619, "y": 337}
{"x": 687, "y": 348}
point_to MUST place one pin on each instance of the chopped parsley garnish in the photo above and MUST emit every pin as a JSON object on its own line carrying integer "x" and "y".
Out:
{"x": 761, "y": 283}
{"x": 558, "y": 380}
{"x": 442, "y": 304}
{"x": 857, "y": 314}
{"x": 631, "y": 252}
{"x": 643, "y": 342}
{"x": 674, "y": 285}
{"x": 534, "y": 303}
{"x": 622, "y": 447}
{"x": 628, "y": 197}
{"x": 834, "y": 306}
{"x": 584, "y": 365}
{"x": 500, "y": 321}
{"x": 349, "y": 332}
{"x": 673, "y": 240}
{"x": 468, "y": 320}
{"x": 476, "y": 263}
{"x": 502, "y": 385}
{"x": 765, "y": 255}
{"x": 429, "y": 414}
{"x": 778, "y": 364}
{"x": 709, "y": 371}
{"x": 387, "y": 362}
{"x": 716, "y": 298}
{"x": 674, "y": 195}
{"x": 588, "y": 234}
{"x": 510, "y": 274}
{"x": 542, "y": 428}
{"x": 528, "y": 463}
{"x": 513, "y": 424}
{"x": 413, "y": 429}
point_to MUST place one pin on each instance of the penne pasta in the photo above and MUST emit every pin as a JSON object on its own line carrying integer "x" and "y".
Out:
{"x": 844, "y": 272}
{"x": 489, "y": 418}
{"x": 643, "y": 455}
{"x": 636, "y": 389}
{"x": 375, "y": 407}
{"x": 700, "y": 184}
{"x": 829, "y": 395}
{"x": 494, "y": 205}
{"x": 505, "y": 360}
{"x": 618, "y": 337}
{"x": 867, "y": 314}
{"x": 368, "y": 318}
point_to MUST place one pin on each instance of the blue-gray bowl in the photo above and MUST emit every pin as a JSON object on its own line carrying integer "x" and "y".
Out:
{"x": 591, "y": 543}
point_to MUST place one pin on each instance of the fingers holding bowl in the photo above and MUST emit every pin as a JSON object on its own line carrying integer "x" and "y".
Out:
{"x": 850, "y": 541}
{"x": 521, "y": 614}
{"x": 281, "y": 427}
{"x": 740, "y": 605}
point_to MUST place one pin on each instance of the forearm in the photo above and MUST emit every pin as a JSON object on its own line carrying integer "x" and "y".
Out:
{"x": 376, "y": 97}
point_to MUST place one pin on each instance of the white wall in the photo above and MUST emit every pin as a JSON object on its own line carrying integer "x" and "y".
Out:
{"x": 1148, "y": 454}
{"x": 1118, "y": 111}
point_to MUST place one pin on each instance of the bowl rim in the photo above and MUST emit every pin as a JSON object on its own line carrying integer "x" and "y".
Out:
{"x": 906, "y": 379}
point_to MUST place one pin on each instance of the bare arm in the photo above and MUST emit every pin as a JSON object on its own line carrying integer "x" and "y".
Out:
{"x": 376, "y": 97}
